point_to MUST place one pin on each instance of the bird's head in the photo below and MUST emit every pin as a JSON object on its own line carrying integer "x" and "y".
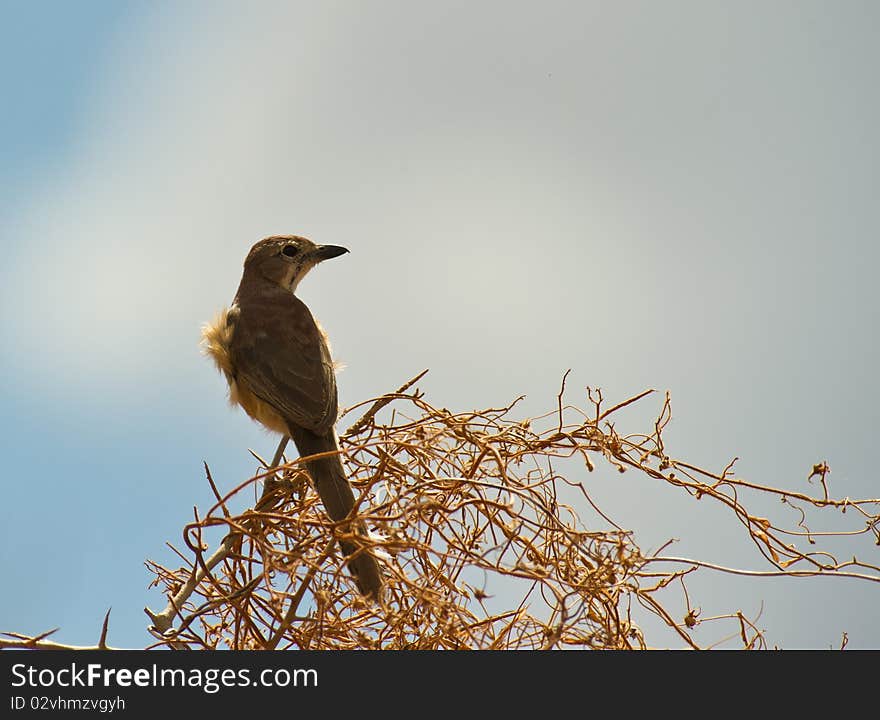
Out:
{"x": 285, "y": 259}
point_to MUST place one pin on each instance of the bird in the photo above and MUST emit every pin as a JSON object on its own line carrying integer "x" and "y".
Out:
{"x": 276, "y": 360}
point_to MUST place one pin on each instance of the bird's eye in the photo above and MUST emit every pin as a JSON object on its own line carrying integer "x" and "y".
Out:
{"x": 290, "y": 250}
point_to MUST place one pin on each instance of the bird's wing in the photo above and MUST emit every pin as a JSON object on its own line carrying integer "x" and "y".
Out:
{"x": 282, "y": 356}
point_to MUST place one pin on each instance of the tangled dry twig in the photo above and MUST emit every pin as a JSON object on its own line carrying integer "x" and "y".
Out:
{"x": 467, "y": 506}
{"x": 489, "y": 544}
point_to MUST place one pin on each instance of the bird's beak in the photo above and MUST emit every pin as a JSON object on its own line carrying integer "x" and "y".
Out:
{"x": 325, "y": 252}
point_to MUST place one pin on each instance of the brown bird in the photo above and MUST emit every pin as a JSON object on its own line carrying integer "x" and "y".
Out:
{"x": 276, "y": 359}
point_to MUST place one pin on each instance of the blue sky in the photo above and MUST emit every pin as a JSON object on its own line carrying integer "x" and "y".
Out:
{"x": 680, "y": 196}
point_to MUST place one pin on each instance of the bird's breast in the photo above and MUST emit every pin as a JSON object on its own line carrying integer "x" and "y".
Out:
{"x": 217, "y": 340}
{"x": 217, "y": 343}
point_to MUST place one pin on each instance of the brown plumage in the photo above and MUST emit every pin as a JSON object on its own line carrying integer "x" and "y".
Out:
{"x": 277, "y": 362}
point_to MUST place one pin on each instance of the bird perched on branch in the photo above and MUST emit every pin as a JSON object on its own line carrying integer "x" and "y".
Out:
{"x": 277, "y": 362}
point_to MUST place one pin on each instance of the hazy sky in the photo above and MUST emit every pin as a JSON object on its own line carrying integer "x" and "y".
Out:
{"x": 679, "y": 195}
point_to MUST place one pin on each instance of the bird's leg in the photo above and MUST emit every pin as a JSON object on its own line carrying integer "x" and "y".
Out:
{"x": 273, "y": 479}
{"x": 279, "y": 453}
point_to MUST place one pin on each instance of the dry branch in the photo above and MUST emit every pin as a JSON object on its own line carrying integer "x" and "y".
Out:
{"x": 492, "y": 537}
{"x": 483, "y": 550}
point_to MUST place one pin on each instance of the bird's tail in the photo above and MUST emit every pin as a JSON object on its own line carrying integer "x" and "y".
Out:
{"x": 335, "y": 491}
